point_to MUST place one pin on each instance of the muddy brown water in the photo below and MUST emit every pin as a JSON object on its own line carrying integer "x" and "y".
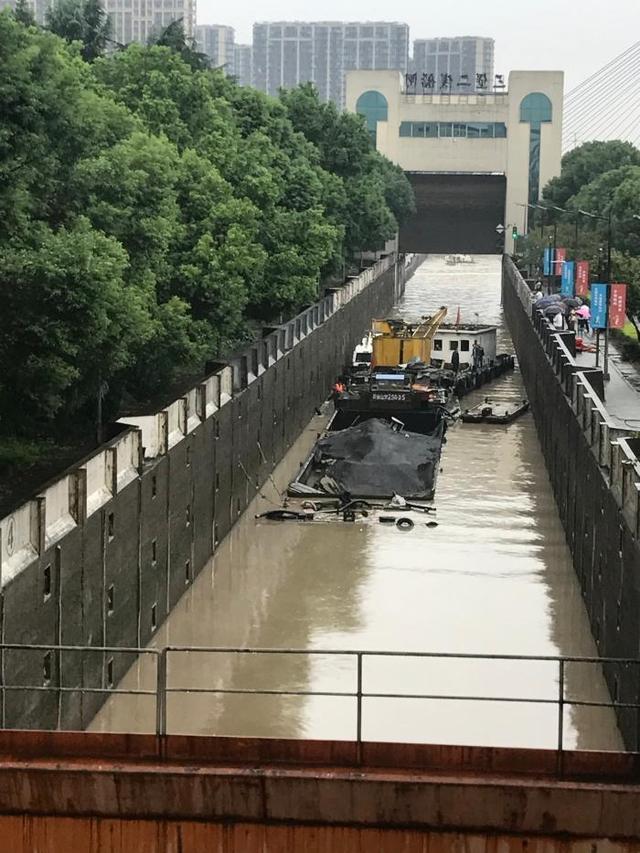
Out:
{"x": 495, "y": 577}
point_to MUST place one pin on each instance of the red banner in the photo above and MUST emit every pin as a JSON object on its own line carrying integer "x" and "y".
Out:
{"x": 617, "y": 306}
{"x": 560, "y": 258}
{"x": 582, "y": 278}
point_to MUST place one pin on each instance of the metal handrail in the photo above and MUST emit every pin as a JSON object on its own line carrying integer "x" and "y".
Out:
{"x": 359, "y": 694}
{"x": 163, "y": 688}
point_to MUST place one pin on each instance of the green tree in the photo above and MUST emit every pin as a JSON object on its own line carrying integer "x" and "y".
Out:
{"x": 584, "y": 164}
{"x": 23, "y": 13}
{"x": 85, "y": 21}
{"x": 70, "y": 323}
{"x": 377, "y": 196}
{"x": 173, "y": 37}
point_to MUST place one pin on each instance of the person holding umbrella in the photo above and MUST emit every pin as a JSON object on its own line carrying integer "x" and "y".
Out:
{"x": 584, "y": 314}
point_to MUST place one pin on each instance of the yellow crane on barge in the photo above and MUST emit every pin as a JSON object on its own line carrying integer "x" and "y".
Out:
{"x": 397, "y": 342}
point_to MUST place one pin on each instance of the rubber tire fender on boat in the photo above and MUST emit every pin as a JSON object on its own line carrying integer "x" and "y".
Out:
{"x": 404, "y": 524}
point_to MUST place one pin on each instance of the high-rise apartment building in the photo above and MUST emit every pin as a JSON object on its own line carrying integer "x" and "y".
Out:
{"x": 286, "y": 53}
{"x": 132, "y": 20}
{"x": 242, "y": 64}
{"x": 138, "y": 20}
{"x": 38, "y": 7}
{"x": 218, "y": 43}
{"x": 463, "y": 58}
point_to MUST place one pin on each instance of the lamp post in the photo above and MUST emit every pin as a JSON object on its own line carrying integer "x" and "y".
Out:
{"x": 608, "y": 220}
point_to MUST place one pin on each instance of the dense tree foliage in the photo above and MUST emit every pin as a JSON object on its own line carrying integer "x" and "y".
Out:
{"x": 84, "y": 21}
{"x": 154, "y": 212}
{"x": 584, "y": 164}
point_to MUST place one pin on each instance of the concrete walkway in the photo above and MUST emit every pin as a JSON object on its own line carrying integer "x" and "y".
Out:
{"x": 622, "y": 391}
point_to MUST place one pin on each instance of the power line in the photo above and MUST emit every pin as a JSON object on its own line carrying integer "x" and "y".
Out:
{"x": 606, "y": 103}
{"x": 601, "y": 114}
{"x": 602, "y": 87}
{"x": 574, "y": 92}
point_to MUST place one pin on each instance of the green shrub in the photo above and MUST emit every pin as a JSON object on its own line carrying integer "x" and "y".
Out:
{"x": 630, "y": 351}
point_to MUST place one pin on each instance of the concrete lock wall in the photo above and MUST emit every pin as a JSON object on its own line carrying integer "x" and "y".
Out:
{"x": 101, "y": 555}
{"x": 67, "y": 791}
{"x": 594, "y": 469}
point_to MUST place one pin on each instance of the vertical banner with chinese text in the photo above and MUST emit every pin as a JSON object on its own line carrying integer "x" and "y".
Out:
{"x": 546, "y": 266}
{"x": 566, "y": 285}
{"x": 559, "y": 259}
{"x": 582, "y": 278}
{"x": 618, "y": 306}
{"x": 599, "y": 306}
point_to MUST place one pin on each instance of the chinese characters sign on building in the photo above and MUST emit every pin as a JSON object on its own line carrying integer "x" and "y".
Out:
{"x": 618, "y": 306}
{"x": 599, "y": 306}
{"x": 568, "y": 270}
{"x": 582, "y": 278}
{"x": 438, "y": 83}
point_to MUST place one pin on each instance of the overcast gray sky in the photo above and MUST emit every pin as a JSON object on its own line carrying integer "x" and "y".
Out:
{"x": 577, "y": 36}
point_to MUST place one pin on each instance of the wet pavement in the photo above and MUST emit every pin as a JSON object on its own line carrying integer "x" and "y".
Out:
{"x": 495, "y": 577}
{"x": 622, "y": 389}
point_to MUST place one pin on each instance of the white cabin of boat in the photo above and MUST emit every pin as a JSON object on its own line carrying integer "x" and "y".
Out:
{"x": 450, "y": 337}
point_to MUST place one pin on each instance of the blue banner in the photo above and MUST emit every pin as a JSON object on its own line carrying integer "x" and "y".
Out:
{"x": 548, "y": 257}
{"x": 568, "y": 278}
{"x": 599, "y": 306}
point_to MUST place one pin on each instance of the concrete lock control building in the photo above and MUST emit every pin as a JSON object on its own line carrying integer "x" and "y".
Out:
{"x": 475, "y": 159}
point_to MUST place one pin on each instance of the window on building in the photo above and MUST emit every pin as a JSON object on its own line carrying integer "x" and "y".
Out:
{"x": 437, "y": 345}
{"x": 154, "y": 551}
{"x": 111, "y": 526}
{"x": 453, "y": 345}
{"x": 535, "y": 109}
{"x": 374, "y": 107}
{"x": 459, "y": 130}
{"x": 464, "y": 346}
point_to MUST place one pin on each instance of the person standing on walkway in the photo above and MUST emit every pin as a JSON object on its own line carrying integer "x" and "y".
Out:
{"x": 584, "y": 314}
{"x": 455, "y": 360}
{"x": 475, "y": 355}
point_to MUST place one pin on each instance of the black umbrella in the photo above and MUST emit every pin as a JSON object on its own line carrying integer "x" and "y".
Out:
{"x": 544, "y": 302}
{"x": 556, "y": 308}
{"x": 572, "y": 302}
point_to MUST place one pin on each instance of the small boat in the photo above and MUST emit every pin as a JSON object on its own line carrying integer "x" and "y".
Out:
{"x": 494, "y": 412}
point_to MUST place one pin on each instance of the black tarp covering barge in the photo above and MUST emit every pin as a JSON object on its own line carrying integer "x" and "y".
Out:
{"x": 373, "y": 459}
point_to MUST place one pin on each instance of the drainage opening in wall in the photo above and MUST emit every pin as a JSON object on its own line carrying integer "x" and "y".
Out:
{"x": 47, "y": 582}
{"x": 47, "y": 664}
